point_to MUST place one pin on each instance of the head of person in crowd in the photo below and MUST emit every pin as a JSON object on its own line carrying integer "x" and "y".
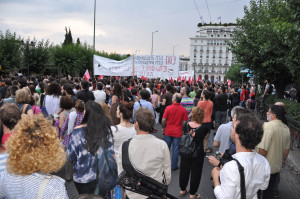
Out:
{"x": 22, "y": 83}
{"x": 247, "y": 131}
{"x": 67, "y": 89}
{"x": 9, "y": 117}
{"x": 198, "y": 94}
{"x": 280, "y": 104}
{"x": 169, "y": 87}
{"x": 125, "y": 110}
{"x": 144, "y": 85}
{"x": 54, "y": 89}
{"x": 23, "y": 96}
{"x": 34, "y": 147}
{"x": 117, "y": 90}
{"x": 98, "y": 129}
{"x": 155, "y": 91}
{"x": 133, "y": 91}
{"x": 79, "y": 106}
{"x": 85, "y": 85}
{"x": 32, "y": 89}
{"x": 177, "y": 97}
{"x": 105, "y": 108}
{"x": 145, "y": 95}
{"x": 276, "y": 112}
{"x": 197, "y": 115}
{"x": 234, "y": 110}
{"x": 185, "y": 91}
{"x": 205, "y": 95}
{"x": 99, "y": 86}
{"x": 144, "y": 121}
{"x": 66, "y": 103}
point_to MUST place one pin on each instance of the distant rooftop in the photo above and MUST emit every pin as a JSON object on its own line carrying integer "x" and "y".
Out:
{"x": 216, "y": 24}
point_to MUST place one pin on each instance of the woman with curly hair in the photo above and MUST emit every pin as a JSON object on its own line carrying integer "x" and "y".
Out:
{"x": 34, "y": 152}
{"x": 87, "y": 142}
{"x": 193, "y": 166}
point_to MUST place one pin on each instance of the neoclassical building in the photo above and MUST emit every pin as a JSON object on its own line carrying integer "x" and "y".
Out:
{"x": 210, "y": 57}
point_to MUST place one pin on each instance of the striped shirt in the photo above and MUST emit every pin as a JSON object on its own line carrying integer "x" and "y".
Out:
{"x": 64, "y": 129}
{"x": 3, "y": 158}
{"x": 187, "y": 103}
{"x": 19, "y": 187}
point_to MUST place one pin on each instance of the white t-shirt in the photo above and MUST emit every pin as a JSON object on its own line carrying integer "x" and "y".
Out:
{"x": 100, "y": 96}
{"x": 52, "y": 103}
{"x": 121, "y": 135}
{"x": 257, "y": 175}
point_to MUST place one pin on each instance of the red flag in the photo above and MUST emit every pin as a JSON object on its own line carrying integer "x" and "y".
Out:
{"x": 189, "y": 80}
{"x": 144, "y": 78}
{"x": 184, "y": 79}
{"x": 171, "y": 80}
{"x": 86, "y": 75}
{"x": 192, "y": 80}
{"x": 100, "y": 76}
{"x": 117, "y": 78}
{"x": 179, "y": 78}
{"x": 199, "y": 80}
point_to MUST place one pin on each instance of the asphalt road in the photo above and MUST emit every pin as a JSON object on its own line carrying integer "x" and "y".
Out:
{"x": 289, "y": 187}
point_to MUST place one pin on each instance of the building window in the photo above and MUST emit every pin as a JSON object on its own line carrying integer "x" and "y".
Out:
{"x": 196, "y": 41}
{"x": 201, "y": 41}
{"x": 224, "y": 35}
{"x": 230, "y": 35}
{"x": 218, "y": 35}
{"x": 195, "y": 55}
{"x": 211, "y": 35}
{"x": 200, "y": 61}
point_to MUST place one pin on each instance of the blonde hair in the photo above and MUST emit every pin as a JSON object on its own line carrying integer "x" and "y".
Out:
{"x": 34, "y": 147}
{"x": 23, "y": 96}
{"x": 197, "y": 115}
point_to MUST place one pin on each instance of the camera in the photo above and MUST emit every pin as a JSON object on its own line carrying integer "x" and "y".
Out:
{"x": 227, "y": 157}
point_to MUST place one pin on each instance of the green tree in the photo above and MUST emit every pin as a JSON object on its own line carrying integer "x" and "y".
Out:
{"x": 68, "y": 37}
{"x": 260, "y": 42}
{"x": 10, "y": 52}
{"x": 39, "y": 56}
{"x": 234, "y": 74}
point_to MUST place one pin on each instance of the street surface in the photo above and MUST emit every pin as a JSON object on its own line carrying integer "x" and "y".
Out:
{"x": 289, "y": 187}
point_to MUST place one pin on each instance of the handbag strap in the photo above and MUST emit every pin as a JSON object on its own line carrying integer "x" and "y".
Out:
{"x": 24, "y": 107}
{"x": 242, "y": 179}
{"x": 187, "y": 129}
{"x": 43, "y": 186}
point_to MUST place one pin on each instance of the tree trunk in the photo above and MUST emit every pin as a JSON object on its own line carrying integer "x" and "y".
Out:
{"x": 280, "y": 86}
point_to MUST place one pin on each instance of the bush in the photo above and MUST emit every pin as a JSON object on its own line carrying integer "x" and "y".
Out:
{"x": 292, "y": 108}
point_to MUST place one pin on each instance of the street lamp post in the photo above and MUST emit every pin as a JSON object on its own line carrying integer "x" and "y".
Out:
{"x": 152, "y": 41}
{"x": 174, "y": 48}
{"x": 194, "y": 65}
{"x": 94, "y": 25}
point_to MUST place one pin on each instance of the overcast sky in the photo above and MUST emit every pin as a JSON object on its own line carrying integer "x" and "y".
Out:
{"x": 122, "y": 26}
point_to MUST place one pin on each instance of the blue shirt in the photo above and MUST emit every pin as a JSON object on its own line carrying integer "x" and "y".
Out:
{"x": 144, "y": 104}
{"x": 84, "y": 163}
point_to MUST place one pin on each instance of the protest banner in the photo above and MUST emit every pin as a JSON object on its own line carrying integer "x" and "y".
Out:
{"x": 186, "y": 74}
{"x": 149, "y": 66}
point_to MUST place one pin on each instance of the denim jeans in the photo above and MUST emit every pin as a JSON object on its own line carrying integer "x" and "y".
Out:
{"x": 220, "y": 118}
{"x": 175, "y": 140}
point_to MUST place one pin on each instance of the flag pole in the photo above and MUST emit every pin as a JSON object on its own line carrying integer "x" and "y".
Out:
{"x": 133, "y": 67}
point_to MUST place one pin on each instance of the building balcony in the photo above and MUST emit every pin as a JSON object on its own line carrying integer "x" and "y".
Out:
{"x": 207, "y": 51}
{"x": 206, "y": 71}
{"x": 213, "y": 64}
{"x": 201, "y": 51}
{"x": 220, "y": 51}
{"x": 206, "y": 64}
{"x": 214, "y": 51}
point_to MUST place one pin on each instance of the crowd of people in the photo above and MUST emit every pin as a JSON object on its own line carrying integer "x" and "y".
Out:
{"x": 49, "y": 125}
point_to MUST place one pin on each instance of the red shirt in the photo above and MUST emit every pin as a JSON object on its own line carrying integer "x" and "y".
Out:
{"x": 175, "y": 114}
{"x": 244, "y": 95}
{"x": 4, "y": 139}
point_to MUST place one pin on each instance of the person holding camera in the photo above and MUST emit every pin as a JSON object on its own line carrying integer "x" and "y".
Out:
{"x": 248, "y": 172}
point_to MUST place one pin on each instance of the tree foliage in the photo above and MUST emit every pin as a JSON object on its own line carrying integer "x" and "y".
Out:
{"x": 10, "y": 52}
{"x": 264, "y": 42}
{"x": 234, "y": 74}
{"x": 68, "y": 37}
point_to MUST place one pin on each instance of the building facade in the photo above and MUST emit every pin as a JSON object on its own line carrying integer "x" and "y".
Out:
{"x": 210, "y": 57}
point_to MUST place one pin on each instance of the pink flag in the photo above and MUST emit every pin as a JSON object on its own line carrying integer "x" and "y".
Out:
{"x": 86, "y": 75}
{"x": 100, "y": 76}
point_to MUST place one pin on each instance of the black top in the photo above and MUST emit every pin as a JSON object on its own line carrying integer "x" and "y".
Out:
{"x": 85, "y": 95}
{"x": 200, "y": 134}
{"x": 221, "y": 102}
{"x": 168, "y": 96}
